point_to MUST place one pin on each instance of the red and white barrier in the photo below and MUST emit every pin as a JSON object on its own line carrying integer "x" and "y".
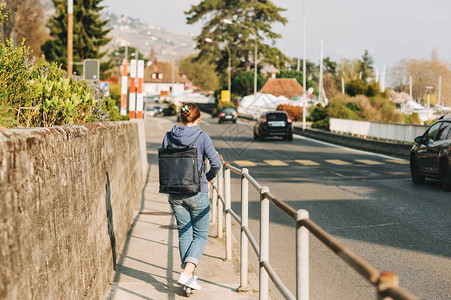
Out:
{"x": 131, "y": 103}
{"x": 139, "y": 99}
{"x": 124, "y": 87}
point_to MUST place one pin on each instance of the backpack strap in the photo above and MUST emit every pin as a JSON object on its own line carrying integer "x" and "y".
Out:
{"x": 192, "y": 144}
{"x": 169, "y": 139}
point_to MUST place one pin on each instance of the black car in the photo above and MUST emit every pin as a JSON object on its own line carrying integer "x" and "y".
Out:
{"x": 274, "y": 123}
{"x": 430, "y": 156}
{"x": 227, "y": 114}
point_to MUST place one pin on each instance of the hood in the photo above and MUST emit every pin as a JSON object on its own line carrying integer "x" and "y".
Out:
{"x": 184, "y": 135}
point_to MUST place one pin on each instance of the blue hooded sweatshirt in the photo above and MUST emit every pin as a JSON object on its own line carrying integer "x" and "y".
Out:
{"x": 185, "y": 135}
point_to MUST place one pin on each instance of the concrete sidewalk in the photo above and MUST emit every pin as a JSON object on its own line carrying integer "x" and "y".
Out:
{"x": 149, "y": 265}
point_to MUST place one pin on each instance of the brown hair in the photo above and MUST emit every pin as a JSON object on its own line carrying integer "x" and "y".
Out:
{"x": 189, "y": 113}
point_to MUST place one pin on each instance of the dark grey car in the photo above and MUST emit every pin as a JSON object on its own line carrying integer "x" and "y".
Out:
{"x": 430, "y": 156}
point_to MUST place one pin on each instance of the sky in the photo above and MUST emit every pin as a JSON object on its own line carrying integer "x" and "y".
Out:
{"x": 389, "y": 29}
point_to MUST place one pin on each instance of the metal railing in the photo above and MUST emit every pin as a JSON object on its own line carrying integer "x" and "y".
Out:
{"x": 386, "y": 283}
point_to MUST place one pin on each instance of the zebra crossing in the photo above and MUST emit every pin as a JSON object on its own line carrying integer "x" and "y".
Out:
{"x": 306, "y": 162}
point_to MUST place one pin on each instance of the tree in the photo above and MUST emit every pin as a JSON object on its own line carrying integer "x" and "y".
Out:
{"x": 424, "y": 73}
{"x": 89, "y": 34}
{"x": 118, "y": 54}
{"x": 200, "y": 73}
{"x": 256, "y": 14}
{"x": 243, "y": 83}
{"x": 348, "y": 69}
{"x": 26, "y": 21}
{"x": 366, "y": 66}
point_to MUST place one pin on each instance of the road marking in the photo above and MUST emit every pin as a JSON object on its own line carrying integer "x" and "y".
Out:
{"x": 369, "y": 162}
{"x": 338, "y": 162}
{"x": 307, "y": 162}
{"x": 275, "y": 163}
{"x": 343, "y": 147}
{"x": 397, "y": 161}
{"x": 244, "y": 163}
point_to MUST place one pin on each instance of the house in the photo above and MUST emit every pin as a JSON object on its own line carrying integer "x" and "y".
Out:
{"x": 161, "y": 78}
{"x": 287, "y": 87}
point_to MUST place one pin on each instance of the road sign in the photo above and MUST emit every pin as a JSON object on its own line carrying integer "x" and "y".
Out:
{"x": 225, "y": 96}
{"x": 91, "y": 69}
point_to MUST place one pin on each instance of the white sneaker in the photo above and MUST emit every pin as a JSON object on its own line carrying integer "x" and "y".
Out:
{"x": 188, "y": 281}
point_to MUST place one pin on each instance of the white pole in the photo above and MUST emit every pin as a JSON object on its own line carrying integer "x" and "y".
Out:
{"x": 244, "y": 223}
{"x": 410, "y": 86}
{"x": 304, "y": 68}
{"x": 383, "y": 80}
{"x": 302, "y": 257}
{"x": 228, "y": 216}
{"x": 264, "y": 243}
{"x": 342, "y": 85}
{"x": 439, "y": 89}
{"x": 220, "y": 204}
{"x": 377, "y": 74}
{"x": 321, "y": 73}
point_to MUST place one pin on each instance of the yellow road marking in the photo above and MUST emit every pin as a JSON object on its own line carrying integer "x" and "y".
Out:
{"x": 275, "y": 163}
{"x": 244, "y": 163}
{"x": 401, "y": 162}
{"x": 338, "y": 162}
{"x": 307, "y": 162}
{"x": 369, "y": 162}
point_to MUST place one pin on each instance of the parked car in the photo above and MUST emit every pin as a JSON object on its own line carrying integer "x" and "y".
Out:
{"x": 430, "y": 156}
{"x": 274, "y": 123}
{"x": 228, "y": 114}
{"x": 149, "y": 113}
{"x": 158, "y": 110}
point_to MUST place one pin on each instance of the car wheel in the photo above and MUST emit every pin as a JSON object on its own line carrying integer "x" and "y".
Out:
{"x": 290, "y": 137}
{"x": 445, "y": 175}
{"x": 219, "y": 121}
{"x": 234, "y": 121}
{"x": 417, "y": 178}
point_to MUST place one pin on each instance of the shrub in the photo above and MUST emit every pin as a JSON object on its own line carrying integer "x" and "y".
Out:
{"x": 321, "y": 124}
{"x": 171, "y": 110}
{"x": 318, "y": 113}
{"x": 294, "y": 112}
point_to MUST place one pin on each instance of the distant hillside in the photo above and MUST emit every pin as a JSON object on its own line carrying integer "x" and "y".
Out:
{"x": 132, "y": 32}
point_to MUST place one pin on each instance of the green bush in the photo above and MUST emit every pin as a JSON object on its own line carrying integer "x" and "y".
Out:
{"x": 37, "y": 94}
{"x": 171, "y": 110}
{"x": 321, "y": 124}
{"x": 318, "y": 113}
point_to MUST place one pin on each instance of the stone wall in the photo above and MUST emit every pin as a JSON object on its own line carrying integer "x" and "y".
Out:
{"x": 67, "y": 198}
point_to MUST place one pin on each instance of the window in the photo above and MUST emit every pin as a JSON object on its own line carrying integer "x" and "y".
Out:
{"x": 444, "y": 132}
{"x": 160, "y": 76}
{"x": 432, "y": 132}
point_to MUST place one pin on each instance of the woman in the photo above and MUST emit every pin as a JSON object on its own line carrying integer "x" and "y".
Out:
{"x": 192, "y": 212}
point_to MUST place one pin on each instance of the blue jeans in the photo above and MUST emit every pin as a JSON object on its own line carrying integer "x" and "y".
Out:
{"x": 193, "y": 220}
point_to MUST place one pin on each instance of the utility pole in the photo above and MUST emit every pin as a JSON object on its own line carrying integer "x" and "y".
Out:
{"x": 439, "y": 89}
{"x": 320, "y": 92}
{"x": 410, "y": 86}
{"x": 70, "y": 37}
{"x": 304, "y": 68}
{"x": 342, "y": 85}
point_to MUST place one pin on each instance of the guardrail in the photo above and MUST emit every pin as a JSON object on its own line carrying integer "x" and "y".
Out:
{"x": 386, "y": 131}
{"x": 386, "y": 283}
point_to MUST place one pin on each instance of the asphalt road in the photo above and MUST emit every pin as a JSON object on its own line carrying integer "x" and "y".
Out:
{"x": 367, "y": 201}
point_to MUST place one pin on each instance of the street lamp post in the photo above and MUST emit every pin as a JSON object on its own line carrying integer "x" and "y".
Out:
{"x": 208, "y": 40}
{"x": 428, "y": 90}
{"x": 70, "y": 26}
{"x": 227, "y": 21}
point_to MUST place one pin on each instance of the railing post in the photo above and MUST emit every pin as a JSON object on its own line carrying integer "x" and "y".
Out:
{"x": 214, "y": 199}
{"x": 220, "y": 205}
{"x": 264, "y": 243}
{"x": 386, "y": 280}
{"x": 228, "y": 216}
{"x": 302, "y": 257}
{"x": 244, "y": 223}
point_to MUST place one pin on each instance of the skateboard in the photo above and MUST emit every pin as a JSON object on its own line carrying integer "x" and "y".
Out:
{"x": 188, "y": 291}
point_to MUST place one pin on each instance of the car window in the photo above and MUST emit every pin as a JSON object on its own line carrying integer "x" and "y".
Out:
{"x": 228, "y": 110}
{"x": 432, "y": 132}
{"x": 444, "y": 132}
{"x": 276, "y": 117}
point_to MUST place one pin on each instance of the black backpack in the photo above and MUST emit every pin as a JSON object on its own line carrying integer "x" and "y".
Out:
{"x": 178, "y": 167}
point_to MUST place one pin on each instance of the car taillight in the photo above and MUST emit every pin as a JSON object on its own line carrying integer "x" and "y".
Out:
{"x": 235, "y": 114}
{"x": 263, "y": 120}
{"x": 221, "y": 114}
{"x": 289, "y": 120}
